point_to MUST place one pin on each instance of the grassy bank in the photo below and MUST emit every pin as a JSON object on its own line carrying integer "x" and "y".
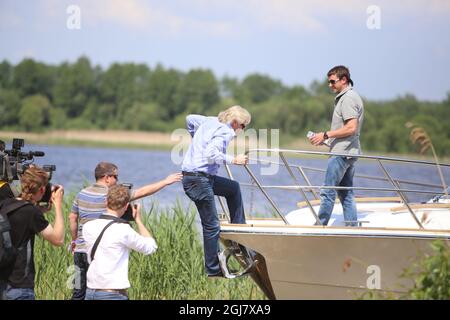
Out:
{"x": 174, "y": 272}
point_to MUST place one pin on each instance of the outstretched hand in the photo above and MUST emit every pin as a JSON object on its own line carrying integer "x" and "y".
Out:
{"x": 174, "y": 177}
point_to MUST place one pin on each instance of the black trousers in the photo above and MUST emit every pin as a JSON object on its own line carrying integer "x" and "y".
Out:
{"x": 80, "y": 281}
{"x": 3, "y": 285}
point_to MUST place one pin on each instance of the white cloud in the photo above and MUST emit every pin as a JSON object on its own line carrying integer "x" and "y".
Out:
{"x": 131, "y": 13}
{"x": 149, "y": 16}
{"x": 288, "y": 15}
{"x": 235, "y": 17}
{"x": 302, "y": 16}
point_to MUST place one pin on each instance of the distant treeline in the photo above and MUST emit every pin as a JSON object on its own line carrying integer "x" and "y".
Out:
{"x": 35, "y": 96}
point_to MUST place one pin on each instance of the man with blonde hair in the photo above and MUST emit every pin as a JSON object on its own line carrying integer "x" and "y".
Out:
{"x": 109, "y": 240}
{"x": 210, "y": 138}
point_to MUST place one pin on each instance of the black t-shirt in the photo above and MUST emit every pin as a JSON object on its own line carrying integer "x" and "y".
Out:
{"x": 25, "y": 222}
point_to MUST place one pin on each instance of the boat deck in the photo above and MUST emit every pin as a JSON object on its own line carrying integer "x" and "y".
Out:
{"x": 382, "y": 214}
{"x": 379, "y": 213}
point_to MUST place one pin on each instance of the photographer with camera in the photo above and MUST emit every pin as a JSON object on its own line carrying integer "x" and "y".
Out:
{"x": 24, "y": 220}
{"x": 89, "y": 204}
{"x": 109, "y": 241}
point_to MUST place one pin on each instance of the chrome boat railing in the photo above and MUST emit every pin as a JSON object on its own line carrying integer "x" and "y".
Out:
{"x": 303, "y": 189}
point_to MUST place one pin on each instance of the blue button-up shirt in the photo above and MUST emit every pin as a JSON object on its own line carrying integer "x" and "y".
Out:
{"x": 210, "y": 139}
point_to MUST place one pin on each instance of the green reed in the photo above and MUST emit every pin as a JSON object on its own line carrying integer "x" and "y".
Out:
{"x": 175, "y": 271}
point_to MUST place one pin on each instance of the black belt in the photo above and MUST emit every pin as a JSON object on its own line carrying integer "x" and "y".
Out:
{"x": 196, "y": 174}
{"x": 120, "y": 291}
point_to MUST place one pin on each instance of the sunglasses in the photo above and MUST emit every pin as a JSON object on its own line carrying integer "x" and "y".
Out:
{"x": 115, "y": 176}
{"x": 333, "y": 81}
{"x": 242, "y": 126}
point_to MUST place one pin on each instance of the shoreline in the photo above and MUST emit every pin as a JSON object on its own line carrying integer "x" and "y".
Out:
{"x": 95, "y": 138}
{"x": 161, "y": 141}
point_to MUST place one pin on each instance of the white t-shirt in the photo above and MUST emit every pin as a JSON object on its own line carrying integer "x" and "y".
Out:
{"x": 109, "y": 269}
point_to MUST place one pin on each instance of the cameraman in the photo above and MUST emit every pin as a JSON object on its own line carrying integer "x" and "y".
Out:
{"x": 27, "y": 221}
{"x": 107, "y": 277}
{"x": 89, "y": 204}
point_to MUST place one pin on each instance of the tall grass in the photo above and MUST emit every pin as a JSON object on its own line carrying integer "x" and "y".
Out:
{"x": 431, "y": 274}
{"x": 175, "y": 271}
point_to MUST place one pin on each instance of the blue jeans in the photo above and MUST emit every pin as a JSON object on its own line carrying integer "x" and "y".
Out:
{"x": 340, "y": 172}
{"x": 19, "y": 293}
{"x": 92, "y": 294}
{"x": 201, "y": 190}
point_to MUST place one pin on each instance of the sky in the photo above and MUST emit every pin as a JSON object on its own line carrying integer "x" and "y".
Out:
{"x": 392, "y": 48}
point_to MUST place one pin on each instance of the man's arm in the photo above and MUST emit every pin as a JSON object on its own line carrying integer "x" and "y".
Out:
{"x": 350, "y": 127}
{"x": 55, "y": 234}
{"x": 193, "y": 121}
{"x": 141, "y": 227}
{"x": 155, "y": 187}
{"x": 73, "y": 225}
{"x": 143, "y": 241}
{"x": 73, "y": 219}
{"x": 215, "y": 154}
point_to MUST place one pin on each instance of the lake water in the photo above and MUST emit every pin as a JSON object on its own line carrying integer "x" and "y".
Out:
{"x": 75, "y": 168}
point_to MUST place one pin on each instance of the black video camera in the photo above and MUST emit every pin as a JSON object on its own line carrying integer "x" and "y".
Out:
{"x": 14, "y": 162}
{"x": 128, "y": 215}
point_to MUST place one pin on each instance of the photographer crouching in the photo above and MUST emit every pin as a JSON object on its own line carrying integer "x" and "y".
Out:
{"x": 22, "y": 218}
{"x": 109, "y": 241}
{"x": 90, "y": 203}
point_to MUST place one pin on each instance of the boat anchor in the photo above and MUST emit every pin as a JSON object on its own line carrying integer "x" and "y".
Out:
{"x": 225, "y": 255}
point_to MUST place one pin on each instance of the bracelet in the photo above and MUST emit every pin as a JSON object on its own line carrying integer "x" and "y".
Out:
{"x": 325, "y": 136}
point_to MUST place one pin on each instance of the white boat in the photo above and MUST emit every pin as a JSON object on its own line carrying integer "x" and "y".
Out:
{"x": 293, "y": 258}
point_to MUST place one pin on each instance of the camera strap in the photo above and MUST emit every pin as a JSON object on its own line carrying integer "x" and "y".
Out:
{"x": 97, "y": 241}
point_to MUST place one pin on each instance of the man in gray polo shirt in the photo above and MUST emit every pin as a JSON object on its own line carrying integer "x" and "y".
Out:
{"x": 343, "y": 138}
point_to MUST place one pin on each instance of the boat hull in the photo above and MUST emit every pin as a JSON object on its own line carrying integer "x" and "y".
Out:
{"x": 328, "y": 263}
